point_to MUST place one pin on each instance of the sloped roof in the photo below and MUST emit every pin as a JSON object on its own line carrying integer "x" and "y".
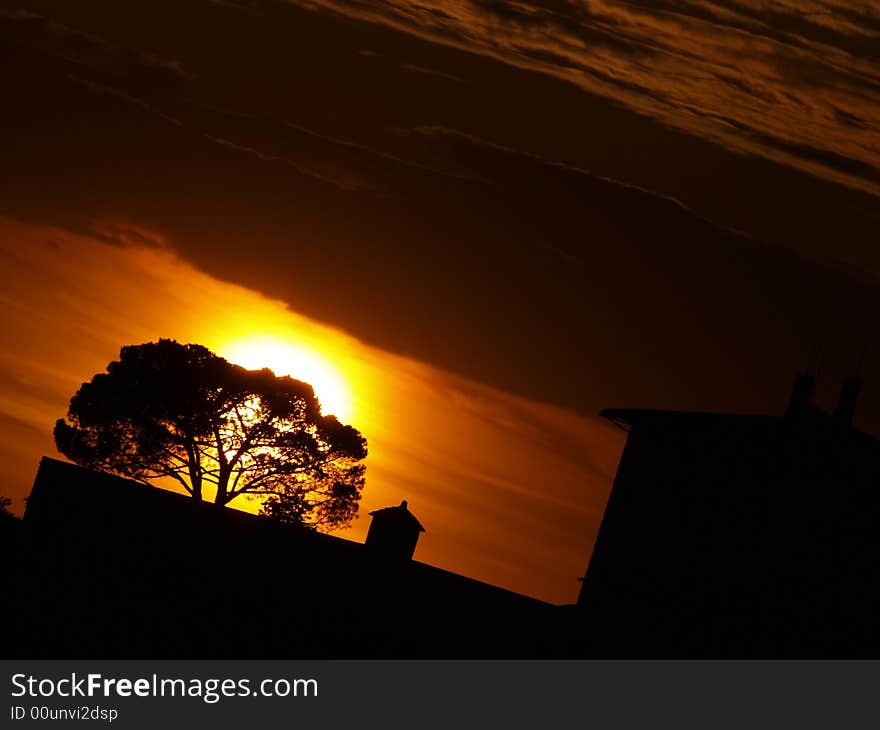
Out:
{"x": 111, "y": 553}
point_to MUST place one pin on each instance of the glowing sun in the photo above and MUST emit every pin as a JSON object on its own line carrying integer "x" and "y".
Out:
{"x": 299, "y": 361}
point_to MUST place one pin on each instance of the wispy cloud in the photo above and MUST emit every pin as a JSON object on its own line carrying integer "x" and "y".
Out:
{"x": 432, "y": 72}
{"x": 340, "y": 177}
{"x": 798, "y": 83}
{"x": 125, "y": 97}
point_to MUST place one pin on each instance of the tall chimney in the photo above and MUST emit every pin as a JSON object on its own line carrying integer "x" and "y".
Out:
{"x": 849, "y": 396}
{"x": 800, "y": 394}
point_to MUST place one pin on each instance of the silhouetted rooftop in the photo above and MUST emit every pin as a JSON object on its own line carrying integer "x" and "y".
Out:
{"x": 626, "y": 417}
{"x": 111, "y": 567}
{"x": 809, "y": 418}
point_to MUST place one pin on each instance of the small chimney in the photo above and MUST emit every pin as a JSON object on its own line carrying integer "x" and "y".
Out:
{"x": 800, "y": 394}
{"x": 849, "y": 396}
{"x": 393, "y": 533}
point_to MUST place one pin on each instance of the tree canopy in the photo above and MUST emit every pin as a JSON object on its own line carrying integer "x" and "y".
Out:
{"x": 167, "y": 410}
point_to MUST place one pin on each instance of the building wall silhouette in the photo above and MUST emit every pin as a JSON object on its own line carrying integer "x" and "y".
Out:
{"x": 740, "y": 535}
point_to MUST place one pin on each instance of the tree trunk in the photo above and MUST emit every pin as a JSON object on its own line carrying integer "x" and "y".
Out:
{"x": 195, "y": 482}
{"x": 222, "y": 487}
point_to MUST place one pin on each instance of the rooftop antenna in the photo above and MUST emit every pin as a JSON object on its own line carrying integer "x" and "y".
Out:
{"x": 849, "y": 393}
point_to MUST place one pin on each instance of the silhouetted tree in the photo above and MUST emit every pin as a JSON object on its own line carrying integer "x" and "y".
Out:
{"x": 5, "y": 503}
{"x": 180, "y": 411}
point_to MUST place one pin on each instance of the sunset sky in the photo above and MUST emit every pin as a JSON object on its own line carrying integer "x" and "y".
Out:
{"x": 470, "y": 224}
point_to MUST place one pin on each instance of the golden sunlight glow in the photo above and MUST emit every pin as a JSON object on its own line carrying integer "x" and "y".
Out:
{"x": 288, "y": 357}
{"x": 511, "y": 490}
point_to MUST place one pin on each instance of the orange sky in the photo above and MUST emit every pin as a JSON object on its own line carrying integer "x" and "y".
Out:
{"x": 510, "y": 490}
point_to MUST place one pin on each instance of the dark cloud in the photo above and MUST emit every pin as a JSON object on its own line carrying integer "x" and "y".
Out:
{"x": 850, "y": 28}
{"x": 470, "y": 225}
{"x": 98, "y": 88}
{"x": 89, "y": 50}
{"x": 750, "y": 62}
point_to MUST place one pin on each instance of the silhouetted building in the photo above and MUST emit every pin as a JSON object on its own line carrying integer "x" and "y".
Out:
{"x": 108, "y": 567}
{"x": 394, "y": 532}
{"x": 724, "y": 535}
{"x": 740, "y": 535}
